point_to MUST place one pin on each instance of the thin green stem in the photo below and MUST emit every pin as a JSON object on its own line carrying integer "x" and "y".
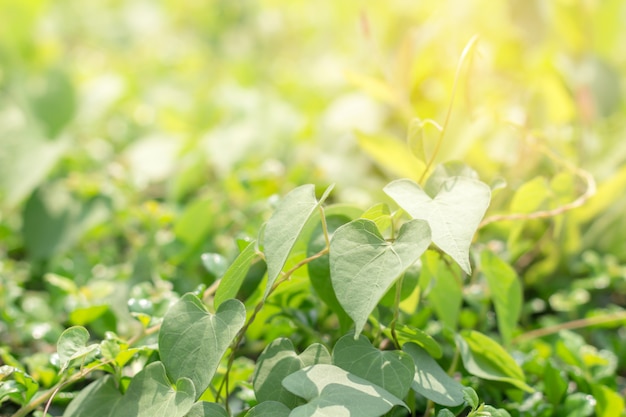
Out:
{"x": 285, "y": 276}
{"x": 442, "y": 133}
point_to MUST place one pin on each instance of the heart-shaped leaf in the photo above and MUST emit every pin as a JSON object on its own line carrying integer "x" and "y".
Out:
{"x": 487, "y": 359}
{"x": 279, "y": 360}
{"x": 332, "y": 391}
{"x": 285, "y": 225}
{"x": 72, "y": 348}
{"x": 431, "y": 381}
{"x": 205, "y": 409}
{"x": 151, "y": 394}
{"x": 364, "y": 265}
{"x": 453, "y": 214}
{"x": 192, "y": 341}
{"x": 392, "y": 370}
{"x": 235, "y": 275}
{"x": 269, "y": 409}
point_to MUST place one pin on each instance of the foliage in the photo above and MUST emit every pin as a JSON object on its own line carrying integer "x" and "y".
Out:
{"x": 457, "y": 247}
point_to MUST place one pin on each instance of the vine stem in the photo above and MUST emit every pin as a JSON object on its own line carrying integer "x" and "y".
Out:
{"x": 468, "y": 47}
{"x": 570, "y": 325}
{"x": 590, "y": 191}
{"x": 285, "y": 276}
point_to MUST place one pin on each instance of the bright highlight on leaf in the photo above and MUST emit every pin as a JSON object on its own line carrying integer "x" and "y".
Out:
{"x": 453, "y": 214}
{"x": 332, "y": 391}
{"x": 364, "y": 265}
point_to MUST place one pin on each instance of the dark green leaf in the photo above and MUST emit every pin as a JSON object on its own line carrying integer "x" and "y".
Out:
{"x": 269, "y": 409}
{"x": 151, "y": 394}
{"x": 391, "y": 370}
{"x": 431, "y": 381}
{"x": 364, "y": 265}
{"x": 192, "y": 341}
{"x": 279, "y": 360}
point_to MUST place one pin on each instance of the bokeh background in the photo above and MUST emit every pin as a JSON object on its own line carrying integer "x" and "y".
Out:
{"x": 137, "y": 135}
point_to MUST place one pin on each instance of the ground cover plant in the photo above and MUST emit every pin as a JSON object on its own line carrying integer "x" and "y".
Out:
{"x": 312, "y": 209}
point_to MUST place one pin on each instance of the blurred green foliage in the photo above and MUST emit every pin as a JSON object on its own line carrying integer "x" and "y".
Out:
{"x": 136, "y": 136}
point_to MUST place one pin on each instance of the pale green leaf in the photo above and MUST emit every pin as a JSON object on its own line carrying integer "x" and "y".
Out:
{"x": 192, "y": 341}
{"x": 453, "y": 214}
{"x": 284, "y": 227}
{"x": 431, "y": 381}
{"x": 506, "y": 292}
{"x": 392, "y": 370}
{"x": 151, "y": 394}
{"x": 332, "y": 391}
{"x": 418, "y": 141}
{"x": 364, "y": 265}
{"x": 269, "y": 409}
{"x": 72, "y": 348}
{"x": 279, "y": 360}
{"x": 391, "y": 154}
{"x": 235, "y": 275}
{"x": 419, "y": 337}
{"x": 206, "y": 409}
{"x": 486, "y": 359}
{"x": 379, "y": 214}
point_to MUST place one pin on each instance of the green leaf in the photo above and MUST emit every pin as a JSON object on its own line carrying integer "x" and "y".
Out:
{"x": 431, "y": 381}
{"x": 192, "y": 341}
{"x": 608, "y": 402}
{"x": 471, "y": 398}
{"x": 446, "y": 293}
{"x": 72, "y": 348}
{"x": 85, "y": 315}
{"x": 506, "y": 292}
{"x": 417, "y": 140}
{"x": 379, "y": 214}
{"x": 555, "y": 383}
{"x": 284, "y": 227}
{"x": 269, "y": 409}
{"x": 214, "y": 263}
{"x": 54, "y": 105}
{"x": 453, "y": 214}
{"x": 331, "y": 391}
{"x": 235, "y": 274}
{"x": 486, "y": 359}
{"x": 391, "y": 370}
{"x": 279, "y": 360}
{"x": 391, "y": 154}
{"x": 206, "y": 409}
{"x": 419, "y": 337}
{"x": 578, "y": 404}
{"x": 443, "y": 172}
{"x": 98, "y": 399}
{"x": 20, "y": 388}
{"x": 151, "y": 394}
{"x": 364, "y": 265}
{"x": 319, "y": 269}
